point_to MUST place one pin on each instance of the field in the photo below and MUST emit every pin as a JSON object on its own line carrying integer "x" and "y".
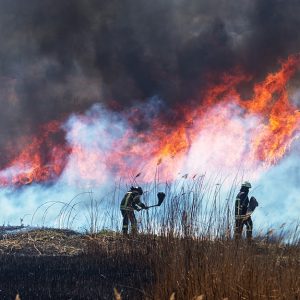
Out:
{"x": 62, "y": 264}
{"x": 185, "y": 249}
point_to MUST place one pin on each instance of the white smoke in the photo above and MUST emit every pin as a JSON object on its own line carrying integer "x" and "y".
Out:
{"x": 95, "y": 134}
{"x": 90, "y": 137}
{"x": 223, "y": 142}
{"x": 278, "y": 192}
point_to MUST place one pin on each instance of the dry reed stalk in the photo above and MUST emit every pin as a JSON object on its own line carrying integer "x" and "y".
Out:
{"x": 117, "y": 295}
{"x": 172, "y": 296}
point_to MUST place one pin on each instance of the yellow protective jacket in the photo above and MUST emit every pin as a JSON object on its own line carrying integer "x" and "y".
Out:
{"x": 131, "y": 201}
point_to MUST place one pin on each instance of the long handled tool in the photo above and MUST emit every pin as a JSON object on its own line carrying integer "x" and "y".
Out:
{"x": 161, "y": 197}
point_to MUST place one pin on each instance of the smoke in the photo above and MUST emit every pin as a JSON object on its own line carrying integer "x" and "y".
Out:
{"x": 59, "y": 58}
{"x": 97, "y": 133}
{"x": 226, "y": 147}
{"x": 278, "y": 192}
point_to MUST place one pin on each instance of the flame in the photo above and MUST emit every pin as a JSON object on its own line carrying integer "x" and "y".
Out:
{"x": 271, "y": 100}
{"x": 219, "y": 130}
{"x": 277, "y": 119}
{"x": 42, "y": 160}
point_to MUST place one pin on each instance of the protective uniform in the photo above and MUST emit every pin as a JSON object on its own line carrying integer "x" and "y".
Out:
{"x": 131, "y": 202}
{"x": 243, "y": 211}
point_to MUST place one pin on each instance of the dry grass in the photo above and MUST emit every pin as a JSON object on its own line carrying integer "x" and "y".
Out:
{"x": 151, "y": 267}
{"x": 43, "y": 242}
{"x": 226, "y": 269}
{"x": 184, "y": 251}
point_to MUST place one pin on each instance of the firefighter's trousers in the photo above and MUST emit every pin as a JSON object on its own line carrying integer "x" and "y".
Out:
{"x": 239, "y": 224}
{"x": 128, "y": 215}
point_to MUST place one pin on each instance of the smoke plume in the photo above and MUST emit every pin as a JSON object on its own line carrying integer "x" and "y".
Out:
{"x": 140, "y": 61}
{"x": 59, "y": 57}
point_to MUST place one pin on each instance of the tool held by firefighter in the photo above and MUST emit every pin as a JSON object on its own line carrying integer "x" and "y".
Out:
{"x": 243, "y": 211}
{"x": 161, "y": 197}
{"x": 131, "y": 202}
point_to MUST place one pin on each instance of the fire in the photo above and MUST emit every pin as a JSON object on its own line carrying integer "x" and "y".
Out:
{"x": 219, "y": 131}
{"x": 42, "y": 160}
{"x": 277, "y": 119}
{"x": 271, "y": 101}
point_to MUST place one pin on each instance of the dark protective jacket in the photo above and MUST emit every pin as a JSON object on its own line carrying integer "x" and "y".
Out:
{"x": 131, "y": 201}
{"x": 241, "y": 204}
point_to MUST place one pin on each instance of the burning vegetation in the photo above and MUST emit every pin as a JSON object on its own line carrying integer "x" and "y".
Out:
{"x": 177, "y": 78}
{"x": 102, "y": 95}
{"x": 263, "y": 127}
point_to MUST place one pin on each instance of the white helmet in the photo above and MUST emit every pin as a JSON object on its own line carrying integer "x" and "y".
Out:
{"x": 246, "y": 184}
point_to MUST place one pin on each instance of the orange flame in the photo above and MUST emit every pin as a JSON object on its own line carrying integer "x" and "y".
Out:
{"x": 42, "y": 160}
{"x": 221, "y": 130}
{"x": 271, "y": 100}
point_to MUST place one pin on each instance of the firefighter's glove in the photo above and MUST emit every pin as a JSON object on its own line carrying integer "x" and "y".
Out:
{"x": 143, "y": 206}
{"x": 247, "y": 215}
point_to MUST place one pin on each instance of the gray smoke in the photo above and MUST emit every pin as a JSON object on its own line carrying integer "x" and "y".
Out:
{"x": 60, "y": 57}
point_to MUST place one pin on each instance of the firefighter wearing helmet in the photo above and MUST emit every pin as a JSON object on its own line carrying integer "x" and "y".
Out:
{"x": 131, "y": 202}
{"x": 243, "y": 210}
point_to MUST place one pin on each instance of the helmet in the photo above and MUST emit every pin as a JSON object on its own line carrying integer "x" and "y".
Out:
{"x": 137, "y": 189}
{"x": 246, "y": 184}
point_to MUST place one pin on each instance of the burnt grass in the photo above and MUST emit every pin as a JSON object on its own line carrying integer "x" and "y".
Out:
{"x": 87, "y": 267}
{"x": 52, "y": 264}
{"x": 80, "y": 277}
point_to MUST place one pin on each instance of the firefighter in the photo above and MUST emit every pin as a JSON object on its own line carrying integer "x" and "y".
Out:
{"x": 131, "y": 202}
{"x": 243, "y": 210}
